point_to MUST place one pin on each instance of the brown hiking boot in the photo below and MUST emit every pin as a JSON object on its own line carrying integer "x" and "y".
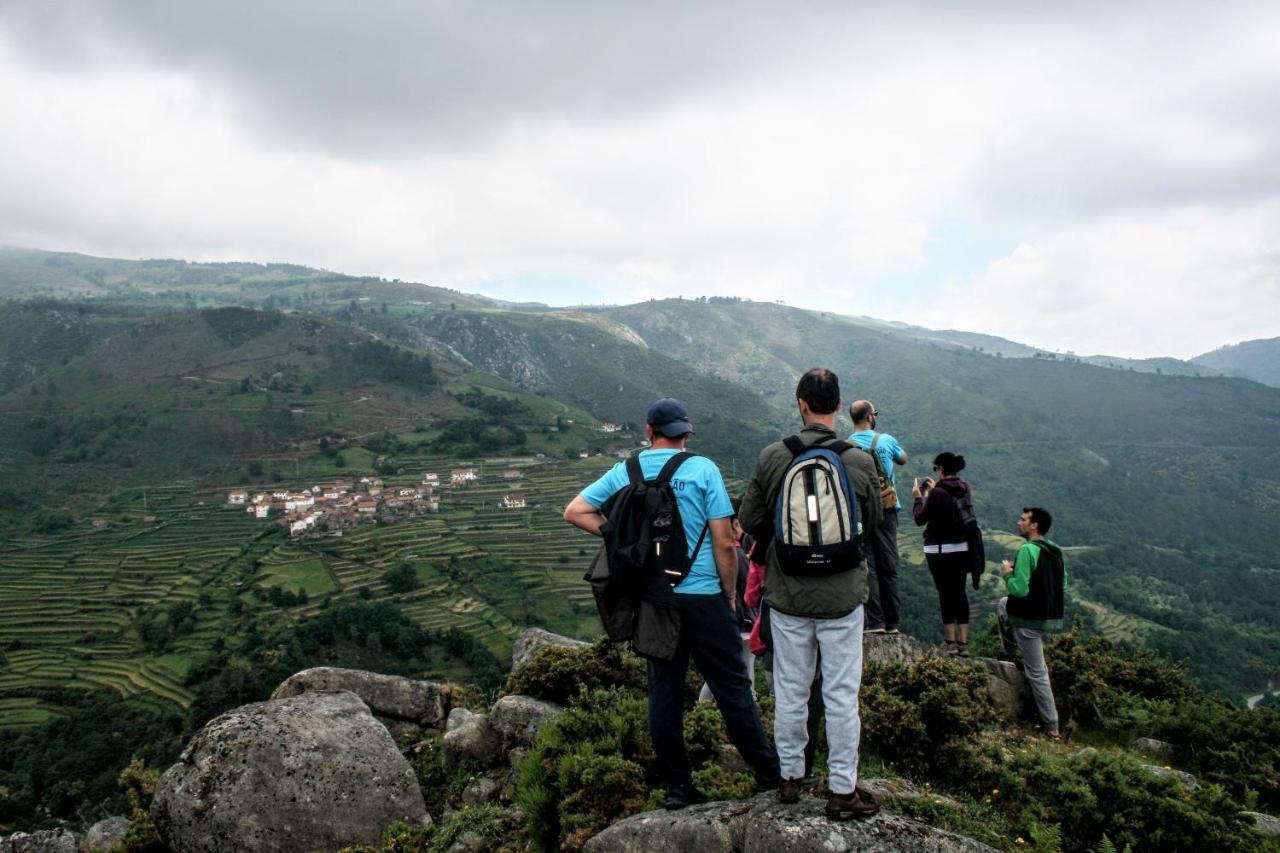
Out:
{"x": 789, "y": 791}
{"x": 861, "y": 803}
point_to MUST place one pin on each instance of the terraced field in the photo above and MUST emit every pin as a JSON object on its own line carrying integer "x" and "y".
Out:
{"x": 70, "y": 603}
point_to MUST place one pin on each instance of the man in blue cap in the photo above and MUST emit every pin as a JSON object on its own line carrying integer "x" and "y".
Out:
{"x": 709, "y": 632}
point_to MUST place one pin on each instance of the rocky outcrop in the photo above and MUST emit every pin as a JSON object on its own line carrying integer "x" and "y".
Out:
{"x": 1157, "y": 749}
{"x": 878, "y": 649}
{"x": 535, "y": 640}
{"x": 403, "y": 705}
{"x": 1264, "y": 824}
{"x": 905, "y": 790}
{"x": 44, "y": 841}
{"x": 763, "y": 825}
{"x": 518, "y": 719}
{"x": 1005, "y": 682}
{"x": 1183, "y": 778}
{"x": 105, "y": 834}
{"x": 310, "y": 772}
{"x": 1007, "y": 686}
{"x": 469, "y": 738}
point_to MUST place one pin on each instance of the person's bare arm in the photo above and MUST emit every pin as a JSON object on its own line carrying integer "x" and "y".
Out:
{"x": 584, "y": 516}
{"x": 902, "y": 460}
{"x": 726, "y": 557}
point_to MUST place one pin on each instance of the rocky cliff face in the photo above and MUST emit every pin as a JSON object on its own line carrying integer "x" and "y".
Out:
{"x": 498, "y": 348}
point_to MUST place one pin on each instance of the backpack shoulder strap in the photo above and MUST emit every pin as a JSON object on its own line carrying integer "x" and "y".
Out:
{"x": 634, "y": 472}
{"x": 875, "y": 457}
{"x": 795, "y": 444}
{"x": 669, "y": 469}
{"x": 836, "y": 445}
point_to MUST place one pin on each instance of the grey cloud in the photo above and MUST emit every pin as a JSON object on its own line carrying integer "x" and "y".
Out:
{"x": 1068, "y": 173}
{"x": 394, "y": 75}
{"x": 399, "y": 76}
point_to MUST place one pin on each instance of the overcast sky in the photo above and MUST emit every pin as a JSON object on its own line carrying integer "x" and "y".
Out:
{"x": 1104, "y": 178}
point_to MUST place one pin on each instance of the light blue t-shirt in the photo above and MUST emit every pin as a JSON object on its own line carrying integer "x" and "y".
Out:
{"x": 700, "y": 495}
{"x": 888, "y": 450}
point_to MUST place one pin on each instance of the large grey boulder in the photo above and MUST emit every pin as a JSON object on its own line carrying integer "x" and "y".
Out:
{"x": 391, "y": 696}
{"x": 878, "y": 649}
{"x": 471, "y": 739}
{"x": 535, "y": 640}
{"x": 763, "y": 825}
{"x": 311, "y": 772}
{"x": 1007, "y": 686}
{"x": 1157, "y": 749}
{"x": 1182, "y": 777}
{"x": 904, "y": 789}
{"x": 106, "y": 833}
{"x": 1264, "y": 824}
{"x": 518, "y": 719}
{"x": 44, "y": 841}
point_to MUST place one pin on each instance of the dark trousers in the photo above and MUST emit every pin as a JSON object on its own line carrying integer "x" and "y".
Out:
{"x": 950, "y": 572}
{"x": 882, "y": 579}
{"x": 709, "y": 634}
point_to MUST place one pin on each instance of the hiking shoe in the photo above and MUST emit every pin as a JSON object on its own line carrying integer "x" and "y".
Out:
{"x": 874, "y": 631}
{"x": 962, "y": 650}
{"x": 1054, "y": 735}
{"x": 679, "y": 798}
{"x": 810, "y": 780}
{"x": 789, "y": 791}
{"x": 861, "y": 803}
{"x": 948, "y": 648}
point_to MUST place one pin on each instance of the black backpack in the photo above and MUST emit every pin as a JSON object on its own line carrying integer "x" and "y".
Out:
{"x": 643, "y": 532}
{"x": 963, "y": 502}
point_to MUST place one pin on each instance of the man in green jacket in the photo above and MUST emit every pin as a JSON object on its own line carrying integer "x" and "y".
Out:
{"x": 1037, "y": 583}
{"x": 816, "y": 620}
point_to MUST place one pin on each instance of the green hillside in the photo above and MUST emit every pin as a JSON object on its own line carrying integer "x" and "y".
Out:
{"x": 223, "y": 394}
{"x": 1112, "y": 453}
{"x": 33, "y": 274}
{"x": 1257, "y": 360}
{"x": 587, "y": 363}
{"x": 998, "y": 347}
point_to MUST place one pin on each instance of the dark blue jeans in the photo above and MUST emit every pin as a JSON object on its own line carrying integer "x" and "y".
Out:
{"x": 709, "y": 634}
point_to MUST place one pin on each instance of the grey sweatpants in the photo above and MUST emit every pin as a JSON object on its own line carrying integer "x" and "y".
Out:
{"x": 796, "y": 642}
{"x": 1031, "y": 643}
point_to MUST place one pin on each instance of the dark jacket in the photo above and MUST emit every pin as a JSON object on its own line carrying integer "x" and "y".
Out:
{"x": 1043, "y": 605}
{"x": 937, "y": 512}
{"x": 825, "y": 597}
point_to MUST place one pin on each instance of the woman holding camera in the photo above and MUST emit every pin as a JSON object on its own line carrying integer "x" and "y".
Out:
{"x": 946, "y": 544}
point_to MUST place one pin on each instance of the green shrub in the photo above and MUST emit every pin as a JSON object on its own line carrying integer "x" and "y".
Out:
{"x": 559, "y": 674}
{"x": 490, "y": 822}
{"x": 1047, "y": 793}
{"x": 591, "y": 766}
{"x": 1135, "y": 693}
{"x": 924, "y": 717}
{"x": 1089, "y": 675}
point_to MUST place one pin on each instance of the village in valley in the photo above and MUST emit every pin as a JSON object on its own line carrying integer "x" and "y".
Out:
{"x": 332, "y": 507}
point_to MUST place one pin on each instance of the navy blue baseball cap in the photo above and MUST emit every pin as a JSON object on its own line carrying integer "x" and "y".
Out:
{"x": 669, "y": 417}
